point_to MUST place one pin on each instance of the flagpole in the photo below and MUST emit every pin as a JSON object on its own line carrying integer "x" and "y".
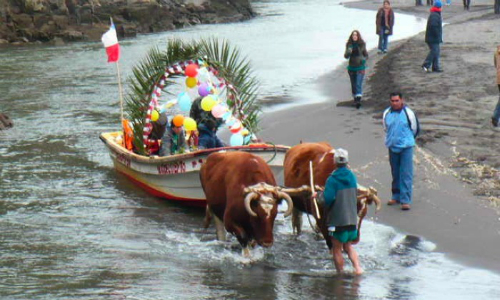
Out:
{"x": 120, "y": 90}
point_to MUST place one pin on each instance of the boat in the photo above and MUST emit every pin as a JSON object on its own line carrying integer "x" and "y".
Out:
{"x": 177, "y": 177}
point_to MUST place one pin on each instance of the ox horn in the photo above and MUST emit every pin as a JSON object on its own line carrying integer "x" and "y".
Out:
{"x": 283, "y": 195}
{"x": 250, "y": 196}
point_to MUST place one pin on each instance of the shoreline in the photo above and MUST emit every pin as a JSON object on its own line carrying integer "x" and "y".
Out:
{"x": 446, "y": 210}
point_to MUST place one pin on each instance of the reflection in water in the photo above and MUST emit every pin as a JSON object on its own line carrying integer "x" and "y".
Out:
{"x": 74, "y": 229}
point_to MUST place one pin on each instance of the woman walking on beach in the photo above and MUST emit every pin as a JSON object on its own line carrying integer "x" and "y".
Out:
{"x": 355, "y": 51}
{"x": 496, "y": 112}
{"x": 385, "y": 23}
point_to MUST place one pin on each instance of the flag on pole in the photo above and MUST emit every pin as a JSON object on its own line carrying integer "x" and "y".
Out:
{"x": 110, "y": 41}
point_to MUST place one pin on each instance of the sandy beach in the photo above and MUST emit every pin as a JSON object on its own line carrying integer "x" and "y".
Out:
{"x": 456, "y": 184}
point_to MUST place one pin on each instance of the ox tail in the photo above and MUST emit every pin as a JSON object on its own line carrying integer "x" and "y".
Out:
{"x": 208, "y": 217}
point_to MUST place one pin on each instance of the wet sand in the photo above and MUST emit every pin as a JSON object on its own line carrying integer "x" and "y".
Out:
{"x": 456, "y": 183}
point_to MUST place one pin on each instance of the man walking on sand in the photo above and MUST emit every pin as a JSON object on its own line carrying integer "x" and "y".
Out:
{"x": 434, "y": 38}
{"x": 402, "y": 127}
{"x": 340, "y": 197}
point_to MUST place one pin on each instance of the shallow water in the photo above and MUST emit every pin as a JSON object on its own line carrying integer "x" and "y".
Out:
{"x": 74, "y": 229}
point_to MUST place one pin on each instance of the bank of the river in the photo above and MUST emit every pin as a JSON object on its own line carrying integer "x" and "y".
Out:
{"x": 456, "y": 181}
{"x": 78, "y": 20}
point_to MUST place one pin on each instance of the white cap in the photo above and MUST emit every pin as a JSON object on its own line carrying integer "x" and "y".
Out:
{"x": 341, "y": 156}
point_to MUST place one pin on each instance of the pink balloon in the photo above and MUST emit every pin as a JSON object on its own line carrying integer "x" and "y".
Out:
{"x": 203, "y": 90}
{"x": 218, "y": 110}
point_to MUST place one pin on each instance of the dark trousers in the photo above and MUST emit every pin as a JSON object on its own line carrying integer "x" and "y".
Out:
{"x": 466, "y": 4}
{"x": 402, "y": 175}
{"x": 432, "y": 58}
{"x": 496, "y": 112}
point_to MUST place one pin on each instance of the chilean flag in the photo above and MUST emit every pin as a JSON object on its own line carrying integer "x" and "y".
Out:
{"x": 110, "y": 41}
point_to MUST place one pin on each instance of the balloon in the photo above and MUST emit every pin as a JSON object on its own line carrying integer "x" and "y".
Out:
{"x": 236, "y": 140}
{"x": 218, "y": 110}
{"x": 226, "y": 116}
{"x": 178, "y": 120}
{"x": 191, "y": 82}
{"x": 189, "y": 124}
{"x": 247, "y": 139}
{"x": 154, "y": 115}
{"x": 184, "y": 101}
{"x": 236, "y": 127}
{"x": 191, "y": 70}
{"x": 203, "y": 89}
{"x": 245, "y": 131}
{"x": 207, "y": 103}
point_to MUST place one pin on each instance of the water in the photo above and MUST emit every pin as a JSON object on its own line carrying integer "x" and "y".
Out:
{"x": 72, "y": 228}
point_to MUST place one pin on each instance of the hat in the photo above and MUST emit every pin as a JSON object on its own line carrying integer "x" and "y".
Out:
{"x": 341, "y": 156}
{"x": 437, "y": 4}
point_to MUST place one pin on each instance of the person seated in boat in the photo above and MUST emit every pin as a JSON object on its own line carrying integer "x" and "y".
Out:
{"x": 157, "y": 132}
{"x": 173, "y": 141}
{"x": 201, "y": 116}
{"x": 207, "y": 138}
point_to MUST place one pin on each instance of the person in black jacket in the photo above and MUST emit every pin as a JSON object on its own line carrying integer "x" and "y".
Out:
{"x": 434, "y": 38}
{"x": 355, "y": 51}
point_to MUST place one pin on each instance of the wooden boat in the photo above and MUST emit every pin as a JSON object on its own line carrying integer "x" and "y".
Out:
{"x": 176, "y": 177}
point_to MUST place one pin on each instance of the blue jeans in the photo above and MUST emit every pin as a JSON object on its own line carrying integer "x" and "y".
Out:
{"x": 383, "y": 40}
{"x": 496, "y": 112}
{"x": 356, "y": 82}
{"x": 433, "y": 57}
{"x": 402, "y": 175}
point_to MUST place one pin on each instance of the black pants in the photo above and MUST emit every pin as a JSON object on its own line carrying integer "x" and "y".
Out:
{"x": 466, "y": 4}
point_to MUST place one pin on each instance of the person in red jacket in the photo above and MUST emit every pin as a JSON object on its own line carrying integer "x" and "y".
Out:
{"x": 385, "y": 23}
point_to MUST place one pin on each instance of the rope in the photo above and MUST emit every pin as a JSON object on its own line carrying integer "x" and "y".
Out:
{"x": 275, "y": 152}
{"x": 314, "y": 228}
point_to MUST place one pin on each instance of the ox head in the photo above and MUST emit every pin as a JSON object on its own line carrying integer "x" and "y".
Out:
{"x": 261, "y": 203}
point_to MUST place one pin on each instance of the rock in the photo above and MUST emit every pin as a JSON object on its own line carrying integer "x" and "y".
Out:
{"x": 5, "y": 122}
{"x": 2, "y": 41}
{"x": 57, "y": 41}
{"x": 78, "y": 20}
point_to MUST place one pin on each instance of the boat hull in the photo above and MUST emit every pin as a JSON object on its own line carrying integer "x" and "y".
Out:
{"x": 177, "y": 177}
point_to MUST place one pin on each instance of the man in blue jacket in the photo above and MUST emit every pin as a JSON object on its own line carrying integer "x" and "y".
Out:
{"x": 434, "y": 38}
{"x": 402, "y": 127}
{"x": 340, "y": 198}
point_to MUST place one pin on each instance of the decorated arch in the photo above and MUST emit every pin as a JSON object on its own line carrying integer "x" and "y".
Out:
{"x": 212, "y": 69}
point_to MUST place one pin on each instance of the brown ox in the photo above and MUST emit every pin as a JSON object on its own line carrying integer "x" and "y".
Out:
{"x": 241, "y": 191}
{"x": 297, "y": 174}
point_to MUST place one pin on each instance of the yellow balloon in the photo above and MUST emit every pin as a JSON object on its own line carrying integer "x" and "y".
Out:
{"x": 191, "y": 82}
{"x": 154, "y": 115}
{"x": 245, "y": 132}
{"x": 207, "y": 103}
{"x": 189, "y": 124}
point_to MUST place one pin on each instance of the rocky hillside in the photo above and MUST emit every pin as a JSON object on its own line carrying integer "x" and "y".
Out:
{"x": 58, "y": 21}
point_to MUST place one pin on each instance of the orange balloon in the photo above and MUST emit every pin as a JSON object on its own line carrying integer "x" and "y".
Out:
{"x": 178, "y": 120}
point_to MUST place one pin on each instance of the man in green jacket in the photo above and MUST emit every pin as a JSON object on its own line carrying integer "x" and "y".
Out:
{"x": 341, "y": 211}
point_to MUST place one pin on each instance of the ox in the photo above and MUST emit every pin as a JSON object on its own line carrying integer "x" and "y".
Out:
{"x": 241, "y": 191}
{"x": 297, "y": 175}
